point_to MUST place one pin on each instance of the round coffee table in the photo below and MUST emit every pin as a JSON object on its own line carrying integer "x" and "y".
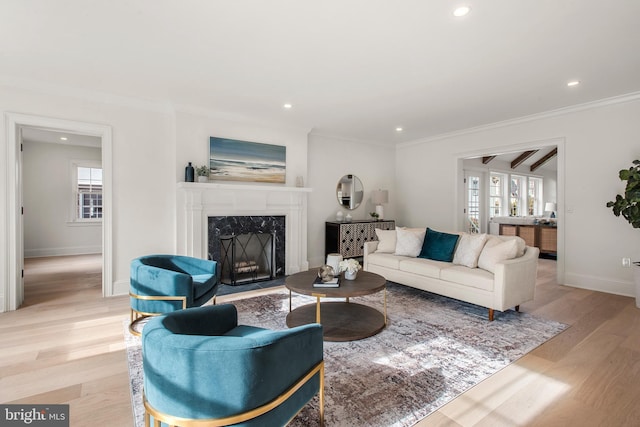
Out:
{"x": 341, "y": 321}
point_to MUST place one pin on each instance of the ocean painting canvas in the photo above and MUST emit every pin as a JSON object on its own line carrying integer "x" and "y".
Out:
{"x": 235, "y": 160}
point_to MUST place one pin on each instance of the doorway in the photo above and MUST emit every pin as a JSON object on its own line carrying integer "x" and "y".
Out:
{"x": 13, "y": 292}
{"x": 496, "y": 170}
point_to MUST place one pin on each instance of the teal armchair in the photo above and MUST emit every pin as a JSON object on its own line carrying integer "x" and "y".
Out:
{"x": 164, "y": 283}
{"x": 202, "y": 368}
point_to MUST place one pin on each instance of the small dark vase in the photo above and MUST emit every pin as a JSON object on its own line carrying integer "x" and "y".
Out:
{"x": 189, "y": 173}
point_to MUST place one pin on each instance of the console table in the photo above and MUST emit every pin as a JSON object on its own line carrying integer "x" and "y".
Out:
{"x": 348, "y": 238}
{"x": 544, "y": 237}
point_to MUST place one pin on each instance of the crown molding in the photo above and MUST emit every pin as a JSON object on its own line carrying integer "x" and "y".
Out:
{"x": 614, "y": 100}
{"x": 85, "y": 94}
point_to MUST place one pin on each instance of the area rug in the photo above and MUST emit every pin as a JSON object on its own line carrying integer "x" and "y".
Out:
{"x": 433, "y": 349}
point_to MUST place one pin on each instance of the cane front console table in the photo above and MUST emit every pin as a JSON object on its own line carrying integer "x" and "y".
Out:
{"x": 347, "y": 238}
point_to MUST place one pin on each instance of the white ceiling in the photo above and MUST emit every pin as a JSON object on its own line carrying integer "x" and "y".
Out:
{"x": 355, "y": 69}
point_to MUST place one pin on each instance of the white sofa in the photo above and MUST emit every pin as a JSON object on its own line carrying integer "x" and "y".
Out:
{"x": 512, "y": 283}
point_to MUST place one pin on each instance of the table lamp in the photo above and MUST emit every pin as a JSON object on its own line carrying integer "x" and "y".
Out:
{"x": 378, "y": 197}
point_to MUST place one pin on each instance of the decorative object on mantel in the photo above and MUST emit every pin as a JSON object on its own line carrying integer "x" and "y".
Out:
{"x": 189, "y": 173}
{"x": 203, "y": 173}
{"x": 350, "y": 267}
{"x": 348, "y": 217}
{"x": 339, "y": 216}
{"x": 629, "y": 207}
{"x": 299, "y": 181}
{"x": 235, "y": 160}
{"x": 378, "y": 198}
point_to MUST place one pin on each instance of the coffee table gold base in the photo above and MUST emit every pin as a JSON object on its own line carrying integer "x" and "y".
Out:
{"x": 341, "y": 321}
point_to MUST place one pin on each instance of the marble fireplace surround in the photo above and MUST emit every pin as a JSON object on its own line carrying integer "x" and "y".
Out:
{"x": 196, "y": 202}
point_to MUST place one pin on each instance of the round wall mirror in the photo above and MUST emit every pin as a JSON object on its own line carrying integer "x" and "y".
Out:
{"x": 349, "y": 191}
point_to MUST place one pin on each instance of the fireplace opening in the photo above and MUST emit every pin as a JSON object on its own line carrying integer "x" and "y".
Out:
{"x": 250, "y": 264}
{"x": 247, "y": 258}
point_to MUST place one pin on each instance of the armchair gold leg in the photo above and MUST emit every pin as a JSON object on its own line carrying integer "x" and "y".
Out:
{"x": 321, "y": 395}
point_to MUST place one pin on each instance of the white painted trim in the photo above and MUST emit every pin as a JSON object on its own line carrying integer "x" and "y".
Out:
{"x": 62, "y": 251}
{"x": 595, "y": 283}
{"x": 14, "y": 289}
{"x": 629, "y": 97}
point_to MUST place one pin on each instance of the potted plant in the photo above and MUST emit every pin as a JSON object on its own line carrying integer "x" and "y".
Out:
{"x": 350, "y": 267}
{"x": 203, "y": 173}
{"x": 629, "y": 207}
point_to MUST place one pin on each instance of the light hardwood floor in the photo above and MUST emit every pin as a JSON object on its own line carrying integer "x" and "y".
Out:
{"x": 66, "y": 345}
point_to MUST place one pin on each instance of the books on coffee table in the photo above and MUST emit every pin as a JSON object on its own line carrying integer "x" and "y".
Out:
{"x": 333, "y": 283}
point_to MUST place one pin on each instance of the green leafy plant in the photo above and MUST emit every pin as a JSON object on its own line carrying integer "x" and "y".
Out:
{"x": 202, "y": 170}
{"x": 628, "y": 206}
{"x": 374, "y": 215}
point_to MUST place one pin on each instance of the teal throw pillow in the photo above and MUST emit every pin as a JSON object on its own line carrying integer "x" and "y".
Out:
{"x": 439, "y": 246}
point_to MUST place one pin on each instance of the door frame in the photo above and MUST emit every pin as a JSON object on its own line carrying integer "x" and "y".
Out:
{"x": 560, "y": 143}
{"x": 14, "y": 249}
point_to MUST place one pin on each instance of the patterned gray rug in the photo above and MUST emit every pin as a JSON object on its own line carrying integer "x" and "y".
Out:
{"x": 433, "y": 349}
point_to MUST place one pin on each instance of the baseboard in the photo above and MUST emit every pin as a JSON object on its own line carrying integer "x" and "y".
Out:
{"x": 77, "y": 250}
{"x": 120, "y": 287}
{"x": 601, "y": 284}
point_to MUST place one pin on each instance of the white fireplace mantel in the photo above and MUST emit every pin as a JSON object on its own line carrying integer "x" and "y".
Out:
{"x": 196, "y": 202}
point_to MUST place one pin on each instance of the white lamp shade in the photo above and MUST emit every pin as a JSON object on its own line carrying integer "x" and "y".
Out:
{"x": 379, "y": 197}
{"x": 549, "y": 207}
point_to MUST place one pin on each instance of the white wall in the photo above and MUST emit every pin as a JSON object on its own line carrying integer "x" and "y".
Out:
{"x": 194, "y": 129}
{"x": 143, "y": 152}
{"x": 598, "y": 142}
{"x": 329, "y": 159}
{"x": 47, "y": 198}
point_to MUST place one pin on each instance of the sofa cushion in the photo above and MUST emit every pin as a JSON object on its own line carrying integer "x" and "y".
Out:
{"x": 409, "y": 241}
{"x": 386, "y": 241}
{"x": 385, "y": 260}
{"x": 472, "y": 277}
{"x": 469, "y": 249}
{"x": 424, "y": 267}
{"x": 494, "y": 253}
{"x": 439, "y": 246}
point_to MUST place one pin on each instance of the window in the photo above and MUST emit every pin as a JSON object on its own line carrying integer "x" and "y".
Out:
{"x": 473, "y": 204}
{"x": 496, "y": 194}
{"x": 517, "y": 200}
{"x": 534, "y": 201}
{"x": 88, "y": 193}
{"x": 515, "y": 195}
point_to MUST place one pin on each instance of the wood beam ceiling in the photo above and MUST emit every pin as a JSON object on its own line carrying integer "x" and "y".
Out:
{"x": 550, "y": 155}
{"x": 487, "y": 159}
{"x": 522, "y": 157}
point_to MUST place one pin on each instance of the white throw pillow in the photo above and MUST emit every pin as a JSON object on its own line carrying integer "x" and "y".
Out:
{"x": 386, "y": 241}
{"x": 495, "y": 252}
{"x": 409, "y": 241}
{"x": 469, "y": 248}
{"x": 519, "y": 241}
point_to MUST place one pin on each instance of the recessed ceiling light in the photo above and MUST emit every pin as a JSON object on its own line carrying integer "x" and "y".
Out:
{"x": 287, "y": 106}
{"x": 399, "y": 129}
{"x": 461, "y": 11}
{"x": 573, "y": 83}
{"x": 63, "y": 138}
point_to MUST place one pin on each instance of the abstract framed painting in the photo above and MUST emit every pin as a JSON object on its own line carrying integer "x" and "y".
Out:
{"x": 235, "y": 160}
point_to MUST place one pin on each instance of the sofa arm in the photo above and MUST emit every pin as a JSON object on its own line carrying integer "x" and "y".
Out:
{"x": 515, "y": 280}
{"x": 369, "y": 248}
